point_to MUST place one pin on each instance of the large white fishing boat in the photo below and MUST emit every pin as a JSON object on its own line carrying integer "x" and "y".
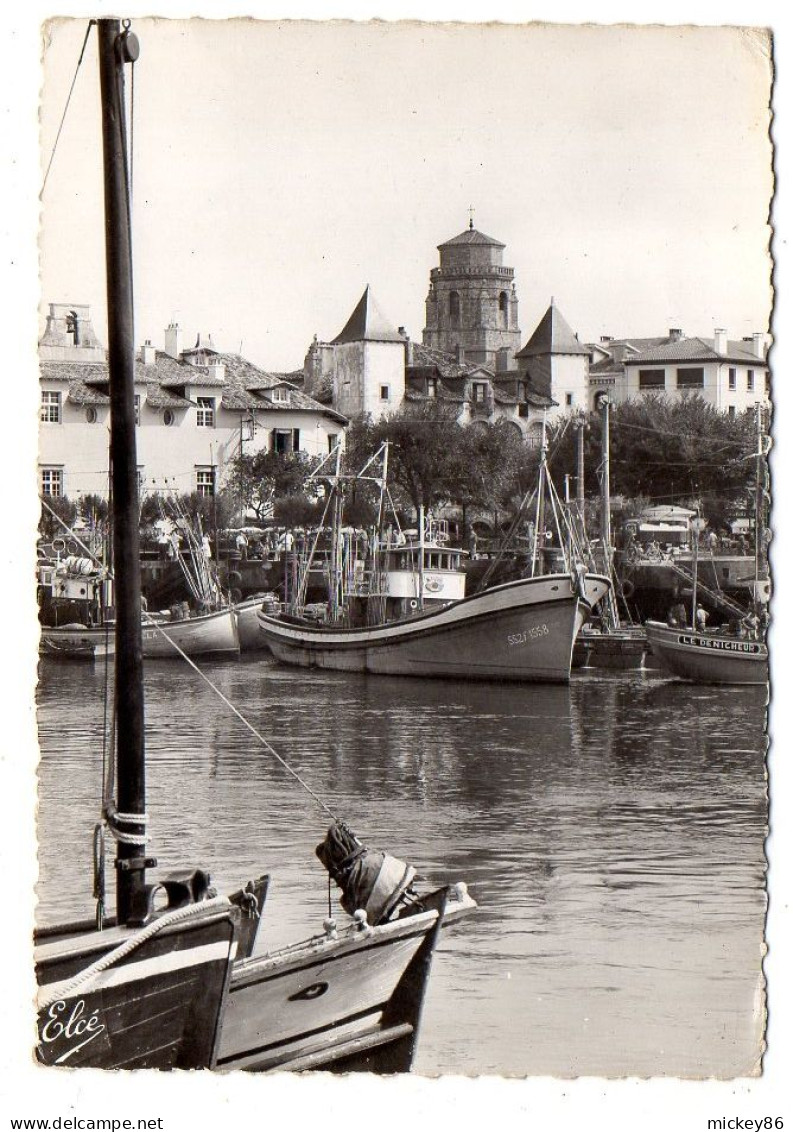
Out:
{"x": 398, "y": 608}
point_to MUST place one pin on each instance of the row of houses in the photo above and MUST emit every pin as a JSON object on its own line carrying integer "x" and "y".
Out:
{"x": 198, "y": 407}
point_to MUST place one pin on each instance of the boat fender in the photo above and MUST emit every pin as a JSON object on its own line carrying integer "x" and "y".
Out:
{"x": 627, "y": 588}
{"x": 580, "y": 580}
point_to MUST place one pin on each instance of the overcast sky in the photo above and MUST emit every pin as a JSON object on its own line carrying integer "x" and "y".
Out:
{"x": 279, "y": 168}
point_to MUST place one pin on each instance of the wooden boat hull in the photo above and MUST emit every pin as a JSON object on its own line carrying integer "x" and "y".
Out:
{"x": 522, "y": 630}
{"x": 352, "y": 1002}
{"x": 157, "y": 1007}
{"x": 616, "y": 649}
{"x": 251, "y": 640}
{"x": 708, "y": 658}
{"x": 212, "y": 634}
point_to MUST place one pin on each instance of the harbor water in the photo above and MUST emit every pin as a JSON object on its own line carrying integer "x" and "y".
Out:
{"x": 612, "y": 832}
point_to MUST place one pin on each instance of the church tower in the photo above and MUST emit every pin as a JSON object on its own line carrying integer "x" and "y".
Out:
{"x": 472, "y": 308}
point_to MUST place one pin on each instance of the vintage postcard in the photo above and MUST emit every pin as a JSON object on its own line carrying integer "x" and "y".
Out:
{"x": 407, "y": 564}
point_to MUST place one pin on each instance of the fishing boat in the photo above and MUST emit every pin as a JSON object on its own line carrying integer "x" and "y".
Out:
{"x": 737, "y": 654}
{"x": 709, "y": 657}
{"x": 399, "y": 607}
{"x": 77, "y": 615}
{"x": 174, "y": 979}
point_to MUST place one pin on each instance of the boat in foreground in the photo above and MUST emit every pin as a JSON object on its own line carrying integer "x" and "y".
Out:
{"x": 522, "y": 630}
{"x": 173, "y": 981}
{"x": 710, "y": 656}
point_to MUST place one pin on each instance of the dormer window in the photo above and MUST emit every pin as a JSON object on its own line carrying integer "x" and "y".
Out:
{"x": 205, "y": 412}
{"x": 432, "y": 387}
{"x": 480, "y": 392}
{"x": 280, "y": 395}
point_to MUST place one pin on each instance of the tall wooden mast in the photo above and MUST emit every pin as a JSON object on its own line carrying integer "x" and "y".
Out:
{"x": 116, "y": 49}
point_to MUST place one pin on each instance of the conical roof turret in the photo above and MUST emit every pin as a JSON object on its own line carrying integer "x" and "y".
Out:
{"x": 367, "y": 323}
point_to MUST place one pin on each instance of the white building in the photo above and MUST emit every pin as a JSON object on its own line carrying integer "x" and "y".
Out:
{"x": 730, "y": 375}
{"x": 196, "y": 410}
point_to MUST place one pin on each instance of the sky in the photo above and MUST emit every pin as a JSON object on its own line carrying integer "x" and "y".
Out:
{"x": 631, "y": 183}
{"x": 280, "y": 167}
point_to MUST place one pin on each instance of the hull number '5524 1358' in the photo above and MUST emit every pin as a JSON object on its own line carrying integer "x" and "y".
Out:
{"x": 527, "y": 635}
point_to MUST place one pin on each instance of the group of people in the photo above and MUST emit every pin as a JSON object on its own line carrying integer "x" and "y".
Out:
{"x": 751, "y": 627}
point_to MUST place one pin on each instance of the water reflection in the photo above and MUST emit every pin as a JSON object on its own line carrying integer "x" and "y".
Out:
{"x": 612, "y": 832}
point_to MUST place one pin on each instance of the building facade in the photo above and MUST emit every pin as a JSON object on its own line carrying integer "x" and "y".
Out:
{"x": 196, "y": 409}
{"x": 472, "y": 303}
{"x": 732, "y": 376}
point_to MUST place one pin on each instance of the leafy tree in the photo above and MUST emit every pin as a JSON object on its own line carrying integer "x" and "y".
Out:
{"x": 258, "y": 479}
{"x": 49, "y": 527}
{"x": 423, "y": 438}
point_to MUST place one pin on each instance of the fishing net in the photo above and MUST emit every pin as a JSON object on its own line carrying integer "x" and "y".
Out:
{"x": 368, "y": 878}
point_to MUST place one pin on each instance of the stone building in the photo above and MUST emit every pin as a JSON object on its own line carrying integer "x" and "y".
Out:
{"x": 554, "y": 363}
{"x": 472, "y": 304}
{"x": 196, "y": 409}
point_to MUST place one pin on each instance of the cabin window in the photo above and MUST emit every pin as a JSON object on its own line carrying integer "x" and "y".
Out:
{"x": 652, "y": 379}
{"x": 205, "y": 482}
{"x": 454, "y": 308}
{"x": 50, "y": 407}
{"x": 52, "y": 482}
{"x": 691, "y": 377}
{"x": 732, "y": 379}
{"x": 205, "y": 412}
{"x": 750, "y": 381}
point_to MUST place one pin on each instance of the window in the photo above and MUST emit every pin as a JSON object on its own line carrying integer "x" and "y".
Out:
{"x": 454, "y": 308}
{"x": 50, "y": 407}
{"x": 279, "y": 394}
{"x": 333, "y": 440}
{"x": 90, "y": 414}
{"x": 750, "y": 381}
{"x": 137, "y": 408}
{"x": 168, "y": 417}
{"x": 385, "y": 393}
{"x": 568, "y": 399}
{"x": 503, "y": 308}
{"x": 480, "y": 392}
{"x": 652, "y": 379}
{"x": 285, "y": 440}
{"x": 692, "y": 377}
{"x": 52, "y": 482}
{"x": 205, "y": 481}
{"x": 205, "y": 412}
{"x": 732, "y": 379}
{"x": 432, "y": 387}
{"x": 730, "y": 410}
{"x": 523, "y": 410}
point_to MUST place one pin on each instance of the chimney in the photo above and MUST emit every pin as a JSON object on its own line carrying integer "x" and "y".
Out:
{"x": 675, "y": 334}
{"x": 408, "y": 346}
{"x": 173, "y": 341}
{"x": 758, "y": 341}
{"x": 148, "y": 355}
{"x": 606, "y": 338}
{"x": 216, "y": 369}
{"x": 204, "y": 342}
{"x": 720, "y": 341}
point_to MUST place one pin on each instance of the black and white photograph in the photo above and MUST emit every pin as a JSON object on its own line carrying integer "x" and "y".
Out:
{"x": 399, "y": 569}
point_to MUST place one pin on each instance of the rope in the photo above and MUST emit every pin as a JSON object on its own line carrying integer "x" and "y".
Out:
{"x": 66, "y": 107}
{"x": 177, "y": 915}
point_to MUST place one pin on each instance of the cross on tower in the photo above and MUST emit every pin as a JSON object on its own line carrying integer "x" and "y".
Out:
{"x": 471, "y": 217}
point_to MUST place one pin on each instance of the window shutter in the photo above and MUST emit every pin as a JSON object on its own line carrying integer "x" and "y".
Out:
{"x": 296, "y": 439}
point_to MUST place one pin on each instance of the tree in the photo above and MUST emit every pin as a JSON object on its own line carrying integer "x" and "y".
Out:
{"x": 423, "y": 438}
{"x": 257, "y": 480}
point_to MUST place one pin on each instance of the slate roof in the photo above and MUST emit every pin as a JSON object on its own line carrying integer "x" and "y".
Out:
{"x": 82, "y": 394}
{"x": 553, "y": 335}
{"x": 159, "y": 398}
{"x": 367, "y": 323}
{"x": 471, "y": 236}
{"x": 447, "y": 365}
{"x": 73, "y": 371}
